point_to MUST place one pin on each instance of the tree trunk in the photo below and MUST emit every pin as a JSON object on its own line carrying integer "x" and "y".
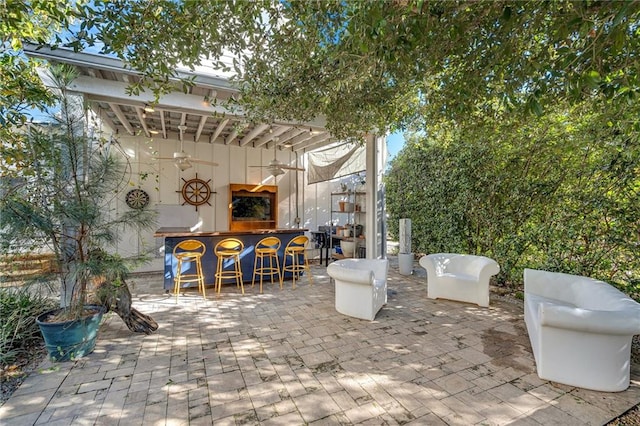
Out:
{"x": 117, "y": 298}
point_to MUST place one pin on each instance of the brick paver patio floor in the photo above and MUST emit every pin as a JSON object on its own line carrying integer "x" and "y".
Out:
{"x": 288, "y": 358}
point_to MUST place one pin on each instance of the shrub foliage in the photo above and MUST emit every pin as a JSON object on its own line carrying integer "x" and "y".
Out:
{"x": 559, "y": 192}
{"x": 19, "y": 333}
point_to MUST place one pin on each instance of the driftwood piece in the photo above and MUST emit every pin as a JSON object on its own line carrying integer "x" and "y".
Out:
{"x": 117, "y": 298}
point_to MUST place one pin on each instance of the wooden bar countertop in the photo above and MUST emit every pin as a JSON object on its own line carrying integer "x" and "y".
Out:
{"x": 185, "y": 232}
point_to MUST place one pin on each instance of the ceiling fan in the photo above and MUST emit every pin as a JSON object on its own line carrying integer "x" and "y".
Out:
{"x": 275, "y": 167}
{"x": 183, "y": 161}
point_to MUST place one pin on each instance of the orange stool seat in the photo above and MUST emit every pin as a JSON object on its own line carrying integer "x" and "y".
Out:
{"x": 188, "y": 251}
{"x": 297, "y": 251}
{"x": 267, "y": 248}
{"x": 229, "y": 250}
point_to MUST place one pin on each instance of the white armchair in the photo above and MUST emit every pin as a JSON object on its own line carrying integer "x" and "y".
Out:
{"x": 460, "y": 277}
{"x": 581, "y": 329}
{"x": 361, "y": 286}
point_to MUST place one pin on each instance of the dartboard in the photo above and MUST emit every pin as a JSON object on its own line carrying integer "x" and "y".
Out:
{"x": 196, "y": 192}
{"x": 137, "y": 199}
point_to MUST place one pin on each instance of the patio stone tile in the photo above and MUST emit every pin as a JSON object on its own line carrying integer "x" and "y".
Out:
{"x": 453, "y": 383}
{"x": 139, "y": 386}
{"x": 93, "y": 386}
{"x": 226, "y": 381}
{"x": 316, "y": 358}
{"x": 524, "y": 420}
{"x": 315, "y": 406}
{"x": 552, "y": 415}
{"x": 440, "y": 409}
{"x": 200, "y": 409}
{"x": 528, "y": 382}
{"x": 428, "y": 419}
{"x": 501, "y": 413}
{"x": 295, "y": 388}
{"x": 118, "y": 372}
{"x": 155, "y": 413}
{"x": 286, "y": 357}
{"x": 546, "y": 393}
{"x": 477, "y": 398}
{"x": 578, "y": 408}
{"x": 200, "y": 421}
{"x": 307, "y": 379}
{"x": 611, "y": 403}
{"x": 344, "y": 400}
{"x": 364, "y": 412}
{"x": 240, "y": 408}
{"x": 291, "y": 418}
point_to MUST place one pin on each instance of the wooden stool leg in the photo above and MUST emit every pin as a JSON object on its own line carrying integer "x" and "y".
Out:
{"x": 278, "y": 270}
{"x": 238, "y": 272}
{"x": 176, "y": 280}
{"x": 284, "y": 268}
{"x": 272, "y": 271}
{"x": 261, "y": 271}
{"x": 219, "y": 274}
{"x": 294, "y": 268}
{"x": 200, "y": 278}
{"x": 255, "y": 269}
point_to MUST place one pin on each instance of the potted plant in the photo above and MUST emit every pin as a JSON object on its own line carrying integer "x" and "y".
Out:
{"x": 57, "y": 196}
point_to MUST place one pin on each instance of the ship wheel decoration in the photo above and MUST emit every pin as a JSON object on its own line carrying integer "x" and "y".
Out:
{"x": 137, "y": 199}
{"x": 196, "y": 192}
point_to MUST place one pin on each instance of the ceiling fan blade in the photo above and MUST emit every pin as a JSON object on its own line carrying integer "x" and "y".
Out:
{"x": 163, "y": 158}
{"x": 291, "y": 168}
{"x": 262, "y": 167}
{"x": 210, "y": 163}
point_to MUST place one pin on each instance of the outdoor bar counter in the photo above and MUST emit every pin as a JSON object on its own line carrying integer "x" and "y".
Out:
{"x": 173, "y": 236}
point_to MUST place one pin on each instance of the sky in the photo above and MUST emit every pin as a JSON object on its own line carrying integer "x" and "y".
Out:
{"x": 395, "y": 142}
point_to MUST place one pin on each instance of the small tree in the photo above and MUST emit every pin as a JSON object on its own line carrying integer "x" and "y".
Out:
{"x": 57, "y": 194}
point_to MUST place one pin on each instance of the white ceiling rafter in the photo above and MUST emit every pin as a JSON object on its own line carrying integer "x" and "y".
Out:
{"x": 269, "y": 136}
{"x": 118, "y": 112}
{"x": 315, "y": 142}
{"x": 143, "y": 122}
{"x": 299, "y": 138}
{"x": 292, "y": 133}
{"x": 104, "y": 117}
{"x": 231, "y": 137}
{"x": 203, "y": 121}
{"x": 253, "y": 134}
{"x": 218, "y": 130}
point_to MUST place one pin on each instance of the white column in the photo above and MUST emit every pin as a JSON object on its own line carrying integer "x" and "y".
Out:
{"x": 375, "y": 218}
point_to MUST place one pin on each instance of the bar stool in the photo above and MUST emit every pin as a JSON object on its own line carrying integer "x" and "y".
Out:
{"x": 229, "y": 249}
{"x": 297, "y": 250}
{"x": 267, "y": 248}
{"x": 189, "y": 251}
{"x": 321, "y": 240}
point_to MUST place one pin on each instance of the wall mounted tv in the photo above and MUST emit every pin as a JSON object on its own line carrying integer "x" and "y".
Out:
{"x": 252, "y": 206}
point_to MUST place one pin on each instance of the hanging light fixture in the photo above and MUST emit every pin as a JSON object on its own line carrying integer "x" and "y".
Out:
{"x": 183, "y": 164}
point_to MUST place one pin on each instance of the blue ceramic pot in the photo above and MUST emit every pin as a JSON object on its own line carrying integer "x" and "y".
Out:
{"x": 69, "y": 340}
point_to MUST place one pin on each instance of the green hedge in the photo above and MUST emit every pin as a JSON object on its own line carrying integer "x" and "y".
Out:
{"x": 559, "y": 192}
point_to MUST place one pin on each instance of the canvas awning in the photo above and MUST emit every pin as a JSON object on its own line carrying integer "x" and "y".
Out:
{"x": 342, "y": 160}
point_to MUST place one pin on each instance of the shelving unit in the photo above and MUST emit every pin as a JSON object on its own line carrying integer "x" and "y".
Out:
{"x": 352, "y": 214}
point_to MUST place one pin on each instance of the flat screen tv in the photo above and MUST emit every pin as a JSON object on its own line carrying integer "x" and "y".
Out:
{"x": 251, "y": 206}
